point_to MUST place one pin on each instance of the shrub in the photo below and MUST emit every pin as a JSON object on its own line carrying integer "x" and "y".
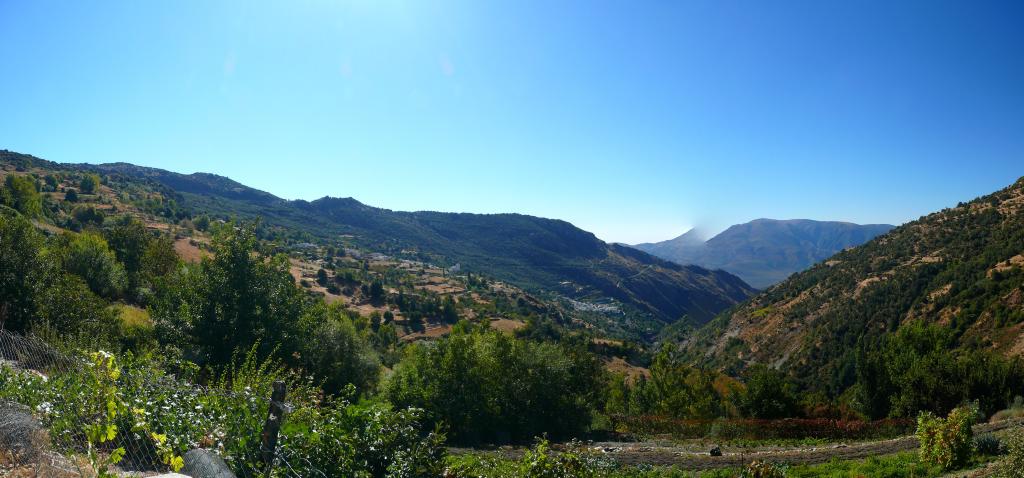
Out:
{"x": 947, "y": 442}
{"x": 763, "y": 469}
{"x": 1013, "y": 465}
{"x": 541, "y": 462}
{"x": 989, "y": 444}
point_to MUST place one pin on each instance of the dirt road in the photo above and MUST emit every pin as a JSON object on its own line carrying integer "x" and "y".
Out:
{"x": 637, "y": 453}
{"x": 693, "y": 456}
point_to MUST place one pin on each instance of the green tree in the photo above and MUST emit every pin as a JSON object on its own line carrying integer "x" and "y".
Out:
{"x": 21, "y": 194}
{"x": 448, "y": 312}
{"x": 89, "y": 183}
{"x": 237, "y": 298}
{"x": 682, "y": 391}
{"x": 51, "y": 182}
{"x": 145, "y": 255}
{"x": 88, "y": 256}
{"x": 338, "y": 353}
{"x": 87, "y": 215}
{"x": 920, "y": 369}
{"x": 158, "y": 259}
{"x": 128, "y": 238}
{"x": 23, "y": 271}
{"x": 768, "y": 394}
{"x": 486, "y": 386}
{"x": 376, "y": 292}
{"x": 35, "y": 294}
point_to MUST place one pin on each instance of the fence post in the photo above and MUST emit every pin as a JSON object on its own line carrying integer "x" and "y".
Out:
{"x": 268, "y": 443}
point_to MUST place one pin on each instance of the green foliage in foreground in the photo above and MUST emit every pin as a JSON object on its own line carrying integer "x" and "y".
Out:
{"x": 947, "y": 442}
{"x": 138, "y": 408}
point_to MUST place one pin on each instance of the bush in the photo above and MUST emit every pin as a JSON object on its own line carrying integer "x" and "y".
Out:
{"x": 989, "y": 444}
{"x": 1013, "y": 465}
{"x": 763, "y": 469}
{"x": 947, "y": 443}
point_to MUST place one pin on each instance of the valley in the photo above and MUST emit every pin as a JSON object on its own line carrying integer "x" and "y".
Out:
{"x": 650, "y": 361}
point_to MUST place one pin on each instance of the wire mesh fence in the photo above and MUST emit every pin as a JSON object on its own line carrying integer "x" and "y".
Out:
{"x": 63, "y": 415}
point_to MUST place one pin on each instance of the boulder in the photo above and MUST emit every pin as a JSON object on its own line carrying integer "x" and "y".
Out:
{"x": 201, "y": 463}
{"x": 20, "y": 434}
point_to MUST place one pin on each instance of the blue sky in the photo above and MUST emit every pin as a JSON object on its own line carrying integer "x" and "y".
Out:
{"x": 634, "y": 120}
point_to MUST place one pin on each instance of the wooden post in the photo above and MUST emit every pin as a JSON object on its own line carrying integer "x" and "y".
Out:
{"x": 268, "y": 443}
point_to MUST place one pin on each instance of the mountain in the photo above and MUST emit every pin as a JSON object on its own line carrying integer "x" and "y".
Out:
{"x": 961, "y": 268}
{"x": 530, "y": 252}
{"x": 765, "y": 251}
{"x": 678, "y": 250}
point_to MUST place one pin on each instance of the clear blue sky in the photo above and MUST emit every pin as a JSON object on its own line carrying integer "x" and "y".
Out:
{"x": 634, "y": 120}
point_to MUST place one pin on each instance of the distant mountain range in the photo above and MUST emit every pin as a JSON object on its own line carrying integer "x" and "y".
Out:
{"x": 530, "y": 252}
{"x": 765, "y": 251}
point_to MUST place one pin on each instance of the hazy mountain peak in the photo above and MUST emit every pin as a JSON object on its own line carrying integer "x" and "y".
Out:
{"x": 765, "y": 251}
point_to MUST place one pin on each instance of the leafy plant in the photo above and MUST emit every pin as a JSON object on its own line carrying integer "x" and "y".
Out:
{"x": 763, "y": 469}
{"x": 947, "y": 442}
{"x": 989, "y": 444}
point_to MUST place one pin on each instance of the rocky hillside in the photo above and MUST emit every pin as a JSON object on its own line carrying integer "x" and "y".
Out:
{"x": 961, "y": 267}
{"x": 765, "y": 251}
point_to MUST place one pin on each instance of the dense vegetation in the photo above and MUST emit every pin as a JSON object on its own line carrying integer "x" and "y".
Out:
{"x": 488, "y": 387}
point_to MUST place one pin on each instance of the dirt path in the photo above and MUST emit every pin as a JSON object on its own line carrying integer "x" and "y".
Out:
{"x": 632, "y": 453}
{"x": 684, "y": 457}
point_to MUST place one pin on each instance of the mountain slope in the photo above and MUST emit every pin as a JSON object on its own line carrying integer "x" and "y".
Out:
{"x": 531, "y": 252}
{"x": 960, "y": 268}
{"x": 765, "y": 251}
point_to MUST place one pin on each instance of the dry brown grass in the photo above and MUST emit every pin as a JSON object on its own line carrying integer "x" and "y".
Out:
{"x": 189, "y": 252}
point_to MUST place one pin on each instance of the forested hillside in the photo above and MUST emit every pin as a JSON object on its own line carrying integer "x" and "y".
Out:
{"x": 531, "y": 252}
{"x": 949, "y": 283}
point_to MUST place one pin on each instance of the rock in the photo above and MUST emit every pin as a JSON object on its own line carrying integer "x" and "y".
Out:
{"x": 201, "y": 463}
{"x": 20, "y": 434}
{"x": 715, "y": 451}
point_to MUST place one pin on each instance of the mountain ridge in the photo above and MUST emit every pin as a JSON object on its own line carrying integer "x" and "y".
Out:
{"x": 765, "y": 251}
{"x": 531, "y": 252}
